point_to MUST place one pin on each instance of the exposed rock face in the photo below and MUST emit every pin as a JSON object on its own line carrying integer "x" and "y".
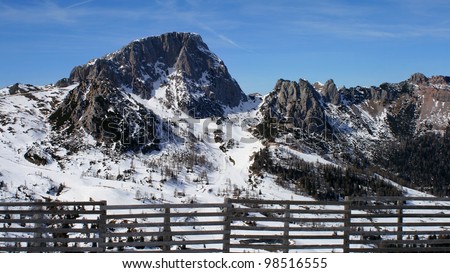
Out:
{"x": 178, "y": 64}
{"x": 107, "y": 114}
{"x": 22, "y": 88}
{"x": 418, "y": 78}
{"x": 64, "y": 82}
{"x": 299, "y": 102}
{"x": 440, "y": 80}
{"x": 359, "y": 115}
{"x": 37, "y": 156}
{"x": 331, "y": 93}
{"x": 176, "y": 68}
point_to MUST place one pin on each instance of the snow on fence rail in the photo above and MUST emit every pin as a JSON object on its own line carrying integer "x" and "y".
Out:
{"x": 51, "y": 226}
{"x": 413, "y": 224}
{"x": 165, "y": 227}
{"x": 380, "y": 224}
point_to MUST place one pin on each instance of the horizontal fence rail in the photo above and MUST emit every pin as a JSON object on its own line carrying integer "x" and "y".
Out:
{"x": 370, "y": 224}
{"x": 287, "y": 225}
{"x": 399, "y": 225}
{"x": 51, "y": 226}
{"x": 165, "y": 227}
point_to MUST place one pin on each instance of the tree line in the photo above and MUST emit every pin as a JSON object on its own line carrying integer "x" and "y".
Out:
{"x": 321, "y": 181}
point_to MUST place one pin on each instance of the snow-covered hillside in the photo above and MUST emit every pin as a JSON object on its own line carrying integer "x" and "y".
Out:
{"x": 205, "y": 161}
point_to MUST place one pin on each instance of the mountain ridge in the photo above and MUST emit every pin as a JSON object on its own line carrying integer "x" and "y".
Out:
{"x": 163, "y": 115}
{"x": 147, "y": 64}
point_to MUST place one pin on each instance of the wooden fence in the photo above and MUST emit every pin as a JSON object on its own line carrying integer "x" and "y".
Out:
{"x": 382, "y": 224}
{"x": 52, "y": 227}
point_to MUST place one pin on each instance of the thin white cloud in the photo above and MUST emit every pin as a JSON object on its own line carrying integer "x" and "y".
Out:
{"x": 228, "y": 40}
{"x": 215, "y": 33}
{"x": 391, "y": 19}
{"x": 194, "y": 15}
{"x": 371, "y": 30}
{"x": 79, "y": 4}
{"x": 43, "y": 12}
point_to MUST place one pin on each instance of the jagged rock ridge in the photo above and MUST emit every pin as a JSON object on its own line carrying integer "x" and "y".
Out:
{"x": 176, "y": 68}
{"x": 178, "y": 64}
{"x": 398, "y": 131}
{"x": 396, "y": 110}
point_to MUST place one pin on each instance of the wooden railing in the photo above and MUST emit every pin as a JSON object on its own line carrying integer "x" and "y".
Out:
{"x": 287, "y": 225}
{"x": 52, "y": 226}
{"x": 165, "y": 227}
{"x": 399, "y": 225}
{"x": 382, "y": 224}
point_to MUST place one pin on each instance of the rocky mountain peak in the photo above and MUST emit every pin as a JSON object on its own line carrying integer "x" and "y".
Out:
{"x": 440, "y": 80}
{"x": 177, "y": 70}
{"x": 418, "y": 78}
{"x": 19, "y": 88}
{"x": 421, "y": 79}
{"x": 330, "y": 92}
{"x": 178, "y": 65}
{"x": 297, "y": 101}
{"x": 392, "y": 110}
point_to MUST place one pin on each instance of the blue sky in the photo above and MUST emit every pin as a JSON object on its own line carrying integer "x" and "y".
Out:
{"x": 353, "y": 42}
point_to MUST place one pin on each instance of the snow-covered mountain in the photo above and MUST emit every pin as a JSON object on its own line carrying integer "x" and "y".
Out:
{"x": 178, "y": 68}
{"x": 162, "y": 120}
{"x": 401, "y": 130}
{"x": 396, "y": 110}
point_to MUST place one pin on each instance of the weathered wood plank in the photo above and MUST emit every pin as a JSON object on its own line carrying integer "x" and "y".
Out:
{"x": 397, "y": 198}
{"x": 402, "y": 242}
{"x": 162, "y": 215}
{"x": 49, "y": 249}
{"x": 395, "y": 207}
{"x": 284, "y": 202}
{"x": 284, "y": 219}
{"x": 164, "y": 243}
{"x": 292, "y": 211}
{"x": 281, "y": 247}
{"x": 405, "y": 232}
{"x": 49, "y": 221}
{"x": 271, "y": 237}
{"x": 51, "y": 240}
{"x": 401, "y": 250}
{"x": 405, "y": 215}
{"x": 228, "y": 211}
{"x": 263, "y": 228}
{"x": 158, "y": 250}
{"x": 162, "y": 233}
{"x": 407, "y": 224}
{"x": 68, "y": 203}
{"x": 163, "y": 206}
{"x": 49, "y": 230}
{"x": 161, "y": 224}
{"x": 49, "y": 212}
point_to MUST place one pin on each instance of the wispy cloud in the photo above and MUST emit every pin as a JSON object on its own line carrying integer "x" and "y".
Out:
{"x": 372, "y": 30}
{"x": 40, "y": 12}
{"x": 217, "y": 34}
{"x": 193, "y": 14}
{"x": 46, "y": 12}
{"x": 384, "y": 19}
{"x": 79, "y": 4}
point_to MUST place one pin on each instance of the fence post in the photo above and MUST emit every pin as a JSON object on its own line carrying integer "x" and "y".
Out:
{"x": 287, "y": 215}
{"x": 227, "y": 212}
{"x": 102, "y": 230}
{"x": 167, "y": 230}
{"x": 347, "y": 223}
{"x": 400, "y": 220}
{"x": 38, "y": 225}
